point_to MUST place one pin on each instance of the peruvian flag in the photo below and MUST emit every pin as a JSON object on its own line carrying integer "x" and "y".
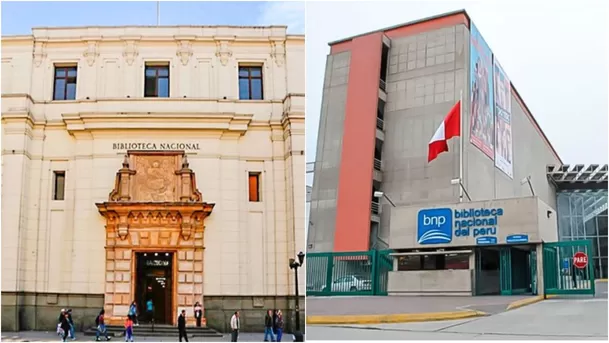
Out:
{"x": 450, "y": 127}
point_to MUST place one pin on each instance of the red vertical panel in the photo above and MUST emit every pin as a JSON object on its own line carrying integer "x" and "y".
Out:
{"x": 352, "y": 231}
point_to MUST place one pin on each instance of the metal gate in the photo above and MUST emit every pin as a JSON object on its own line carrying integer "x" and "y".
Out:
{"x": 505, "y": 270}
{"x": 560, "y": 275}
{"x": 348, "y": 273}
{"x": 384, "y": 262}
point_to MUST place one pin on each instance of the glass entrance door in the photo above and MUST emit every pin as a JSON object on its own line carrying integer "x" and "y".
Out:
{"x": 154, "y": 281}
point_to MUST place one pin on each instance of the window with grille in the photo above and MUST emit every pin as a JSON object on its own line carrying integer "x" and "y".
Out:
{"x": 65, "y": 83}
{"x": 250, "y": 83}
{"x": 156, "y": 82}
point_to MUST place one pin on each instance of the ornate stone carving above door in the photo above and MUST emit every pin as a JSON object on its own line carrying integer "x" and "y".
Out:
{"x": 155, "y": 178}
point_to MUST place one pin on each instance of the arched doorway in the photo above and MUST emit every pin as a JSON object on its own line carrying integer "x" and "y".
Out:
{"x": 154, "y": 236}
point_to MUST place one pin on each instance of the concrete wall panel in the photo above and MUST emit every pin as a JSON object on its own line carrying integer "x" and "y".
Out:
{"x": 329, "y": 148}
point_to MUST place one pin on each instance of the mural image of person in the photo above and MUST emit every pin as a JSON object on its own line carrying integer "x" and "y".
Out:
{"x": 475, "y": 100}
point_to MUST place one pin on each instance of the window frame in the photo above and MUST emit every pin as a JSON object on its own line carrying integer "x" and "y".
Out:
{"x": 249, "y": 186}
{"x": 157, "y": 66}
{"x": 249, "y": 78}
{"x": 434, "y": 262}
{"x": 56, "y": 174}
{"x": 66, "y": 67}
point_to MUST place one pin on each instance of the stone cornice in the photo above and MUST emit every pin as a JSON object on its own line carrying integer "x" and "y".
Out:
{"x": 228, "y": 123}
{"x": 18, "y": 117}
{"x": 155, "y": 33}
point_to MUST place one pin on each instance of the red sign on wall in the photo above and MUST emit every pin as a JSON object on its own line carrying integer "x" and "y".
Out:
{"x": 580, "y": 260}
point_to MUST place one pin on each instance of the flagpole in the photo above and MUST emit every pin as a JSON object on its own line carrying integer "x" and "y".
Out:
{"x": 461, "y": 145}
{"x": 158, "y": 13}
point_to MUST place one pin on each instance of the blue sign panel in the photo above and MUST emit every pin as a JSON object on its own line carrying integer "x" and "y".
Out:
{"x": 565, "y": 263}
{"x": 434, "y": 226}
{"x": 438, "y": 225}
{"x": 486, "y": 240}
{"x": 517, "y": 239}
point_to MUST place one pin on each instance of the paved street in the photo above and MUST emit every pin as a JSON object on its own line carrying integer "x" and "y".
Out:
{"x": 40, "y": 336}
{"x": 571, "y": 319}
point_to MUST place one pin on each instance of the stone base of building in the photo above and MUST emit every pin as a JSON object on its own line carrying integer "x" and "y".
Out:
{"x": 23, "y": 311}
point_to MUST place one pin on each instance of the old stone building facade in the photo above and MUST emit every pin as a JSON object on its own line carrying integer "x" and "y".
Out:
{"x": 162, "y": 163}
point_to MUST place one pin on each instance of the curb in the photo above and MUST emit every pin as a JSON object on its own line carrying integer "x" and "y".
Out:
{"x": 393, "y": 318}
{"x": 528, "y": 301}
{"x": 601, "y": 280}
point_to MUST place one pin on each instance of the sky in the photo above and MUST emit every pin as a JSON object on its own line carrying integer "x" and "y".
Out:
{"x": 20, "y": 17}
{"x": 556, "y": 57}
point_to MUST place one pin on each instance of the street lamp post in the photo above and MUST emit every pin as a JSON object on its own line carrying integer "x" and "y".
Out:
{"x": 295, "y": 265}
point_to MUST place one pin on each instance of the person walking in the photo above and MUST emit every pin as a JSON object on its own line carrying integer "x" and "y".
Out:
{"x": 133, "y": 312}
{"x": 182, "y": 326}
{"x": 279, "y": 325}
{"x": 150, "y": 310}
{"x": 268, "y": 327}
{"x": 71, "y": 321}
{"x": 61, "y": 315}
{"x": 101, "y": 326}
{"x": 129, "y": 329}
{"x": 198, "y": 313}
{"x": 65, "y": 327}
{"x": 234, "y": 326}
{"x": 59, "y": 320}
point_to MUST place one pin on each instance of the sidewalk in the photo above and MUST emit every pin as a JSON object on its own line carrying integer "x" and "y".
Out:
{"x": 368, "y": 305}
{"x": 44, "y": 336}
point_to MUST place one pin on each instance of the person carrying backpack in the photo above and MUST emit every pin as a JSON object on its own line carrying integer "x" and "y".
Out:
{"x": 133, "y": 313}
{"x": 101, "y": 326}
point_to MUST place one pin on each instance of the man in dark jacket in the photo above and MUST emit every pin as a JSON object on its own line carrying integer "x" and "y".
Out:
{"x": 65, "y": 327}
{"x": 268, "y": 327}
{"x": 182, "y": 326}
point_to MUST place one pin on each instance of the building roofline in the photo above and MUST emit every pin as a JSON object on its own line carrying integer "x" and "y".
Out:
{"x": 43, "y": 31}
{"x": 155, "y": 26}
{"x": 18, "y": 37}
{"x": 530, "y": 115}
{"x": 393, "y": 27}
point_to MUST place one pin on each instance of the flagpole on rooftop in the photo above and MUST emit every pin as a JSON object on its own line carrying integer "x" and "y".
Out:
{"x": 158, "y": 13}
{"x": 461, "y": 145}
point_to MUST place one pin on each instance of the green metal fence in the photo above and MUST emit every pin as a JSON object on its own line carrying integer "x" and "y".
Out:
{"x": 560, "y": 274}
{"x": 348, "y": 273}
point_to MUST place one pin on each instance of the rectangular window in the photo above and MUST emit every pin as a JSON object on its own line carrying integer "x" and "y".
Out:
{"x": 409, "y": 263}
{"x": 250, "y": 83}
{"x": 254, "y": 187}
{"x": 65, "y": 83}
{"x": 433, "y": 262}
{"x": 156, "y": 81}
{"x": 384, "y": 62}
{"x": 59, "y": 185}
{"x": 456, "y": 261}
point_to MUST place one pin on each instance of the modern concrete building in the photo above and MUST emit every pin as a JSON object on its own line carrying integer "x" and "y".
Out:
{"x": 158, "y": 163}
{"x": 385, "y": 94}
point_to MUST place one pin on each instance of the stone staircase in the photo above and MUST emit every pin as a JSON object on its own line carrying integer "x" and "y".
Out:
{"x": 160, "y": 330}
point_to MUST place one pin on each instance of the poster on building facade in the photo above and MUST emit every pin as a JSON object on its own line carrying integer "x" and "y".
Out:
{"x": 503, "y": 121}
{"x": 482, "y": 131}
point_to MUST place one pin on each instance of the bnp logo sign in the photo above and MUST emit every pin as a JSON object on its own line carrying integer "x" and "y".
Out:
{"x": 439, "y": 225}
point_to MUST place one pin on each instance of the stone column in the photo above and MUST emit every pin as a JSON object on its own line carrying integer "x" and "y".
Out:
{"x": 186, "y": 286}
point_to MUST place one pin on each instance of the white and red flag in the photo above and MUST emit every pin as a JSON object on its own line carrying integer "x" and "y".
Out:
{"x": 450, "y": 127}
